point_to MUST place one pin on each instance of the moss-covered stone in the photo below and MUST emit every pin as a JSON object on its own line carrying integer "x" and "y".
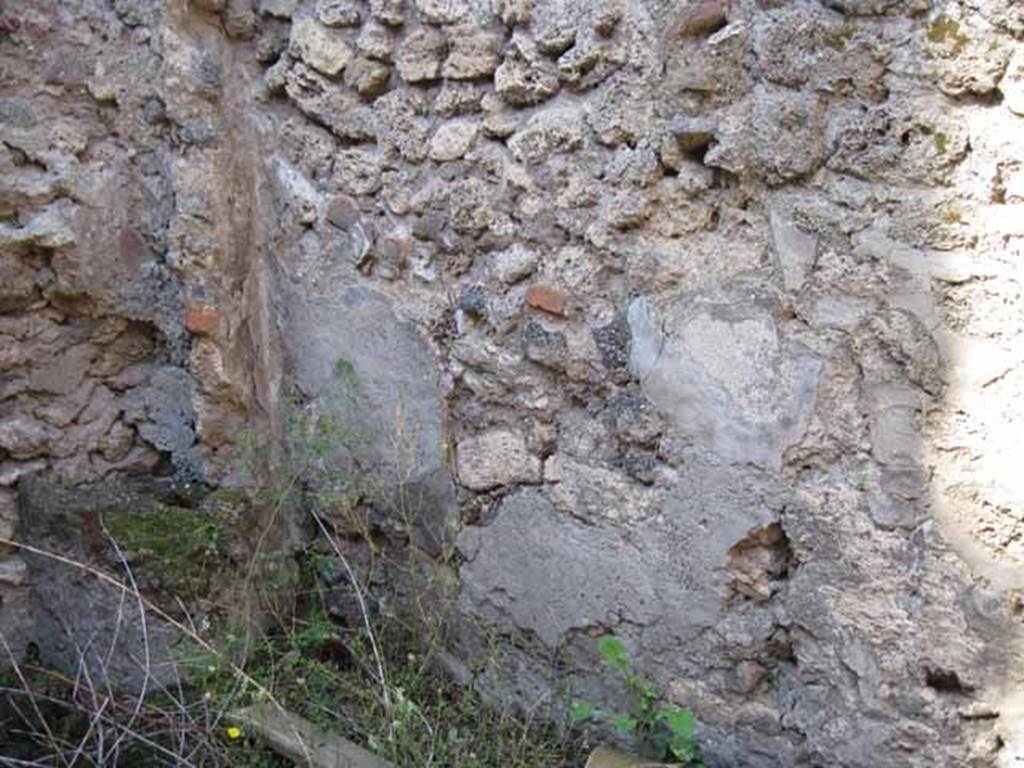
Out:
{"x": 836, "y": 39}
{"x": 946, "y": 31}
{"x": 174, "y": 549}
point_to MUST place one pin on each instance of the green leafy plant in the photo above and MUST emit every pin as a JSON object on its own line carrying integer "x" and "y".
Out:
{"x": 661, "y": 729}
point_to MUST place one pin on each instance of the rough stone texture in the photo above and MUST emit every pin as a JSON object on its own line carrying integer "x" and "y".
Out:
{"x": 368, "y": 78}
{"x": 499, "y": 457}
{"x": 390, "y": 12}
{"x": 323, "y": 49}
{"x": 513, "y": 264}
{"x": 339, "y": 13}
{"x": 453, "y": 140}
{"x": 733, "y": 287}
{"x": 472, "y": 53}
{"x": 525, "y": 77}
{"x": 421, "y": 55}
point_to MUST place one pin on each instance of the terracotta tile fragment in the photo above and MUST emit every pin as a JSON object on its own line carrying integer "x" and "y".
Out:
{"x": 546, "y": 299}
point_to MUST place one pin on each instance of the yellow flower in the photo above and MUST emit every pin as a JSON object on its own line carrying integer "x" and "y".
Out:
{"x": 234, "y": 733}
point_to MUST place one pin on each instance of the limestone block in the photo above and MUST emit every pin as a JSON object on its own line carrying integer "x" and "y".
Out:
{"x": 773, "y": 134}
{"x": 917, "y": 141}
{"x": 459, "y": 98}
{"x": 965, "y": 55}
{"x": 421, "y": 55}
{"x": 339, "y": 13}
{"x": 499, "y": 121}
{"x": 597, "y": 494}
{"x": 548, "y": 132}
{"x": 376, "y": 42}
{"x": 403, "y": 128}
{"x": 453, "y": 140}
{"x": 324, "y": 49}
{"x": 525, "y": 77}
{"x": 589, "y": 62}
{"x": 495, "y": 458}
{"x": 513, "y": 264}
{"x": 390, "y": 12}
{"x": 358, "y": 171}
{"x": 24, "y": 437}
{"x": 797, "y": 45}
{"x": 472, "y": 53}
{"x": 717, "y": 67}
{"x": 368, "y": 78}
{"x": 282, "y": 8}
{"x": 442, "y": 11}
{"x": 48, "y": 228}
{"x": 329, "y": 103}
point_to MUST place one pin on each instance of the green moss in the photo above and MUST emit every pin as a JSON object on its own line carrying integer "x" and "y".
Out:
{"x": 18, "y": 157}
{"x": 170, "y": 533}
{"x": 173, "y": 548}
{"x": 225, "y": 503}
{"x": 836, "y": 39}
{"x": 945, "y": 30}
{"x": 941, "y": 142}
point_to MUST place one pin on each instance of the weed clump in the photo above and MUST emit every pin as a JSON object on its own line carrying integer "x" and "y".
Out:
{"x": 343, "y": 625}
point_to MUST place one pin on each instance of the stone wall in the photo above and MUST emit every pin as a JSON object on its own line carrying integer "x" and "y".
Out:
{"x": 699, "y": 323}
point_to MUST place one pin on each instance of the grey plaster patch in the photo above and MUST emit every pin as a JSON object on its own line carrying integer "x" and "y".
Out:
{"x": 549, "y": 573}
{"x": 725, "y": 374}
{"x": 395, "y": 402}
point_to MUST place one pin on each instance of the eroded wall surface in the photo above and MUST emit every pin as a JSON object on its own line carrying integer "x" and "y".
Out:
{"x": 699, "y": 323}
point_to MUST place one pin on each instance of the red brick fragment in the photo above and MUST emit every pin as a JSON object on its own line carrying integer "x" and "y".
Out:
{"x": 203, "y": 321}
{"x": 546, "y": 299}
